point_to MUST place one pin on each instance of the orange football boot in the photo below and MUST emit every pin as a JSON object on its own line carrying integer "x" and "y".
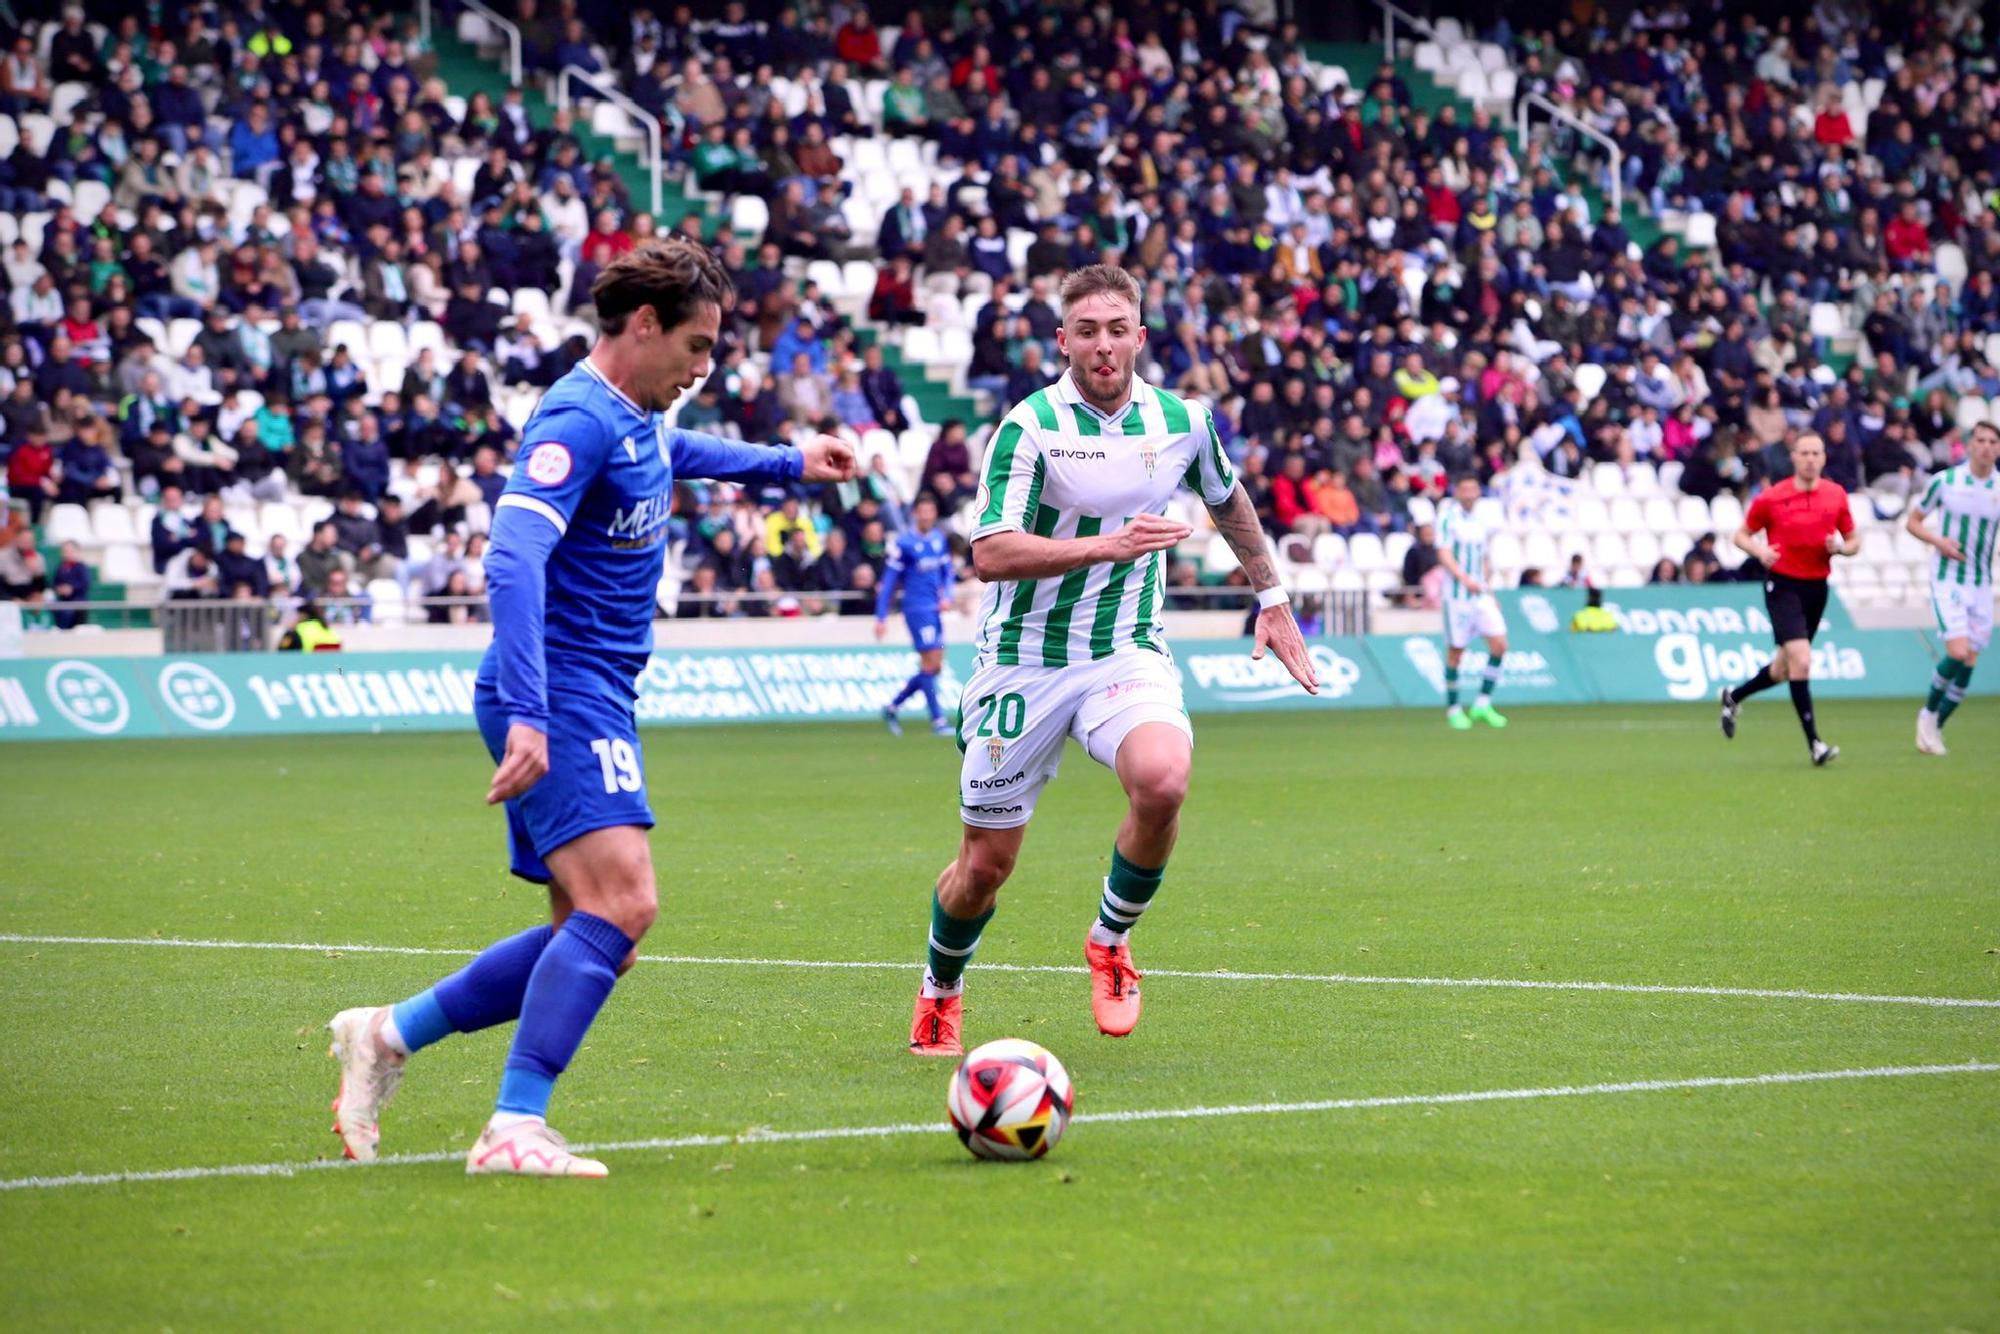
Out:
{"x": 1114, "y": 988}
{"x": 934, "y": 1026}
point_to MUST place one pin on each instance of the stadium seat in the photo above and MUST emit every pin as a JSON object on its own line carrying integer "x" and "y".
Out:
{"x": 749, "y": 215}
{"x": 1725, "y": 514}
{"x": 1949, "y": 259}
{"x": 1366, "y": 552}
{"x": 534, "y": 303}
{"x": 1643, "y": 550}
{"x": 1348, "y": 580}
{"x": 1397, "y": 545}
{"x": 1676, "y": 544}
{"x": 829, "y": 278}
{"x": 1539, "y": 549}
{"x": 1627, "y": 576}
{"x": 428, "y": 334}
{"x": 279, "y": 519}
{"x": 1422, "y": 510}
{"x": 1660, "y": 515}
{"x": 1490, "y": 512}
{"x": 1502, "y": 85}
{"x": 858, "y": 277}
{"x": 67, "y": 523}
{"x": 1627, "y": 516}
{"x": 1471, "y": 85}
{"x": 111, "y": 522}
{"x": 1218, "y": 558}
{"x": 244, "y": 519}
{"x": 1329, "y": 551}
{"x": 1700, "y": 233}
{"x": 875, "y": 441}
{"x": 1861, "y": 509}
{"x": 1608, "y": 549}
{"x": 1428, "y": 57}
{"x": 1590, "y": 379}
{"x": 1670, "y": 475}
{"x": 180, "y": 337}
{"x": 920, "y": 346}
{"x": 127, "y": 563}
{"x": 1607, "y": 480}
{"x": 1824, "y": 320}
{"x": 1906, "y": 547}
{"x": 1971, "y": 410}
{"x": 1592, "y": 515}
{"x": 387, "y": 595}
{"x": 1691, "y": 513}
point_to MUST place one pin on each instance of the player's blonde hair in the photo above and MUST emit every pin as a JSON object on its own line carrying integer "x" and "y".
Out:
{"x": 1804, "y": 437}
{"x": 1099, "y": 280}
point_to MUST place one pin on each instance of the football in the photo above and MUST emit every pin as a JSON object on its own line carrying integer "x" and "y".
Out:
{"x": 1010, "y": 1099}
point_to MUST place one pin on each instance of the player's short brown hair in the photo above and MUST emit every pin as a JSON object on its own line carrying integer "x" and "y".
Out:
{"x": 1979, "y": 426}
{"x": 1804, "y": 436}
{"x": 1099, "y": 280}
{"x": 673, "y": 275}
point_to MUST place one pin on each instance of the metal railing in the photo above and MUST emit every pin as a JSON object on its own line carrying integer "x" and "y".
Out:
{"x": 1557, "y": 113}
{"x": 1390, "y": 15}
{"x": 507, "y": 27}
{"x": 645, "y": 119}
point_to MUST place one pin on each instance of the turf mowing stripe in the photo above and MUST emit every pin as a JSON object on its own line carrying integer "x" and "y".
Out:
{"x": 1212, "y": 974}
{"x": 1197, "y": 1113}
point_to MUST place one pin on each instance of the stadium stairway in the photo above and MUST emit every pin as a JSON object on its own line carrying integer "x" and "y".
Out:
{"x": 467, "y": 70}
{"x": 1427, "y": 94}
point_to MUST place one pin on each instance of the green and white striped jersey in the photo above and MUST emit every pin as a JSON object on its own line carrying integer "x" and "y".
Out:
{"x": 1059, "y": 468}
{"x": 1462, "y": 533}
{"x": 1965, "y": 508}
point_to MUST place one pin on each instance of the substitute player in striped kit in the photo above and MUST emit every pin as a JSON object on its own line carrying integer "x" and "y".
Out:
{"x": 1965, "y": 502}
{"x": 1071, "y": 539}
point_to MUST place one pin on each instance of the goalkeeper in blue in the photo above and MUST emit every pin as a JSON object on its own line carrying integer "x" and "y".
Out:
{"x": 920, "y": 562}
{"x": 579, "y": 541}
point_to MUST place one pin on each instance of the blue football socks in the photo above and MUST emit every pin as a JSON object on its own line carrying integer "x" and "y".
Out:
{"x": 485, "y": 992}
{"x": 568, "y": 986}
{"x": 928, "y": 685}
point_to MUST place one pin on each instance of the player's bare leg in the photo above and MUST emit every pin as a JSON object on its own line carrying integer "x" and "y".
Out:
{"x": 960, "y": 909}
{"x": 1153, "y": 765}
{"x": 606, "y": 882}
{"x": 1454, "y": 713}
{"x": 1948, "y": 683}
{"x": 1482, "y": 709}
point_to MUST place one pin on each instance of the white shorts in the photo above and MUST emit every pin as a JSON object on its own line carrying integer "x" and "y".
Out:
{"x": 1013, "y": 721}
{"x": 1964, "y": 612}
{"x": 1472, "y": 618}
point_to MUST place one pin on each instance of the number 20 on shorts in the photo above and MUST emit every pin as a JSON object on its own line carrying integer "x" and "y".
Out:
{"x": 1009, "y": 712}
{"x": 619, "y": 763}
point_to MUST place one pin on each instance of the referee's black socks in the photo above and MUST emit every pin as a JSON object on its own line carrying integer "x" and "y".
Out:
{"x": 1761, "y": 681}
{"x": 1802, "y": 701}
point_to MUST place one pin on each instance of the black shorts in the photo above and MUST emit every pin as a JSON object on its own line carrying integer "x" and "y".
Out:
{"x": 1796, "y": 606}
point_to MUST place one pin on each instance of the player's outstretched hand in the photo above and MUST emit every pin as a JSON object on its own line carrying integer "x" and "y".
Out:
{"x": 526, "y": 760}
{"x": 1277, "y": 628}
{"x": 828, "y": 459}
{"x": 881, "y": 630}
{"x": 1147, "y": 533}
{"x": 1949, "y": 548}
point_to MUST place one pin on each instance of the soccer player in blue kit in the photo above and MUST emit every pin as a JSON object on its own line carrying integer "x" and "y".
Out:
{"x": 919, "y": 560}
{"x": 579, "y": 541}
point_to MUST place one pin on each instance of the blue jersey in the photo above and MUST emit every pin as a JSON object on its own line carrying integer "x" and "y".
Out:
{"x": 580, "y": 535}
{"x": 921, "y": 563}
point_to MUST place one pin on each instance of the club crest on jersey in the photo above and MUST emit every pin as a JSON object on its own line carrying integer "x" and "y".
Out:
{"x": 1149, "y": 455}
{"x": 995, "y": 748}
{"x": 549, "y": 464}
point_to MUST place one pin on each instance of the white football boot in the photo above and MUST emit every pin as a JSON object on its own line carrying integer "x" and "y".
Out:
{"x": 1930, "y": 739}
{"x": 369, "y": 1074}
{"x": 525, "y": 1146}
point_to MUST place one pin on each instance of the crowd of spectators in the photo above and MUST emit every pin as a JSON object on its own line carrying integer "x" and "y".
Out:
{"x": 1372, "y": 296}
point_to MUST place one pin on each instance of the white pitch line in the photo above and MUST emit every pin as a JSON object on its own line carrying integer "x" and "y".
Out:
{"x": 1106, "y": 1118}
{"x": 1215, "y": 975}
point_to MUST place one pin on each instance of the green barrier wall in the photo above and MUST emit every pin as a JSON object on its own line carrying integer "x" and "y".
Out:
{"x": 1677, "y": 644}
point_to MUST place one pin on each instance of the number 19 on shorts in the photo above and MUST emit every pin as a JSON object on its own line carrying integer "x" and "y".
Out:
{"x": 619, "y": 764}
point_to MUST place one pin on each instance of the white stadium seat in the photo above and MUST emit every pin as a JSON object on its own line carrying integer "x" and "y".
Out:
{"x": 127, "y": 563}
{"x": 111, "y": 522}
{"x": 1366, "y": 552}
{"x": 68, "y": 523}
{"x": 1329, "y": 551}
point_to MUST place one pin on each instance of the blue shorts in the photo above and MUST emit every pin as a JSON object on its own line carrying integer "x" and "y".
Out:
{"x": 926, "y": 632}
{"x": 596, "y": 777}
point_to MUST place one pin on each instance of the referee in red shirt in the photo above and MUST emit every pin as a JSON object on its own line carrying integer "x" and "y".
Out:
{"x": 1806, "y": 523}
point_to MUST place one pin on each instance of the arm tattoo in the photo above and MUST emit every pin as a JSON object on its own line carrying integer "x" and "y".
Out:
{"x": 1236, "y": 519}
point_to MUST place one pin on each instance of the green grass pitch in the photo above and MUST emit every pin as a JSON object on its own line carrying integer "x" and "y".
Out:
{"x": 1625, "y": 846}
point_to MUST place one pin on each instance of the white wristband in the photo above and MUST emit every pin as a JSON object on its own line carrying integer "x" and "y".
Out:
{"x": 1274, "y": 596}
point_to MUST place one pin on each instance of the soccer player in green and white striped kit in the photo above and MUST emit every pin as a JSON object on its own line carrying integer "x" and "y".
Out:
{"x": 1965, "y": 501}
{"x": 1071, "y": 539}
{"x": 1470, "y": 609}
